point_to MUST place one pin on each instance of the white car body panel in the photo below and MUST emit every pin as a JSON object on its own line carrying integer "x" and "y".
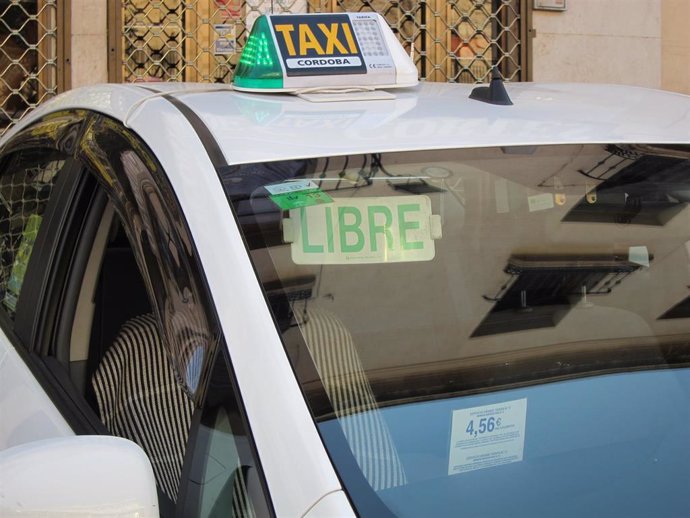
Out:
{"x": 26, "y": 412}
{"x": 269, "y": 389}
{"x": 331, "y": 505}
{"x": 89, "y": 486}
{"x": 260, "y": 127}
{"x": 298, "y": 476}
{"x": 254, "y": 128}
{"x": 441, "y": 116}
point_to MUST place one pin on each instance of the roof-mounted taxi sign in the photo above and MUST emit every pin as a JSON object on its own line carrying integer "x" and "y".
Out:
{"x": 293, "y": 52}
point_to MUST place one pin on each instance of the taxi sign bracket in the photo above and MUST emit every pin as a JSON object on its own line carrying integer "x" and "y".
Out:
{"x": 316, "y": 95}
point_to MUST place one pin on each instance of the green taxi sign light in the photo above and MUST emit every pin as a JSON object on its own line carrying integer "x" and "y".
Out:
{"x": 297, "y": 52}
{"x": 259, "y": 66}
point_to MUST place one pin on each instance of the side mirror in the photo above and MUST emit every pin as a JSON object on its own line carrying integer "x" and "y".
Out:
{"x": 77, "y": 476}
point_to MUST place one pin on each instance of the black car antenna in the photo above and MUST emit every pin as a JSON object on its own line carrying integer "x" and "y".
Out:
{"x": 495, "y": 93}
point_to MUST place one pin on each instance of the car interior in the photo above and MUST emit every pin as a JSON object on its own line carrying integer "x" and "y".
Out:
{"x": 115, "y": 340}
{"x": 93, "y": 337}
{"x": 112, "y": 292}
{"x": 576, "y": 305}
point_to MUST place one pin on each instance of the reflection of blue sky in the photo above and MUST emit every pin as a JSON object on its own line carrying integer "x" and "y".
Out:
{"x": 614, "y": 445}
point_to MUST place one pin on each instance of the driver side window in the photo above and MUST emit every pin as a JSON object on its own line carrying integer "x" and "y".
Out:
{"x": 125, "y": 338}
{"x": 26, "y": 184}
{"x": 159, "y": 371}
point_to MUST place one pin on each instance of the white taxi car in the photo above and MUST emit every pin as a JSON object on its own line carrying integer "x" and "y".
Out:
{"x": 402, "y": 303}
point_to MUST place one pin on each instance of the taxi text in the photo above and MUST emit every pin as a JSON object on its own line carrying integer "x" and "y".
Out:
{"x": 299, "y": 39}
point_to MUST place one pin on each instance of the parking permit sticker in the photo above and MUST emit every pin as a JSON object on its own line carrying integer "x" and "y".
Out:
{"x": 291, "y": 186}
{"x": 540, "y": 202}
{"x": 363, "y": 230}
{"x": 297, "y": 194}
{"x": 487, "y": 436}
{"x": 639, "y": 255}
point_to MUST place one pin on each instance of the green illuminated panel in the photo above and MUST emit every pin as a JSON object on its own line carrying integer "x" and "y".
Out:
{"x": 259, "y": 66}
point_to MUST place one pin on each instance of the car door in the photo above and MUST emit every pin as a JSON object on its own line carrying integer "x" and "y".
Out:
{"x": 119, "y": 316}
{"x": 37, "y": 180}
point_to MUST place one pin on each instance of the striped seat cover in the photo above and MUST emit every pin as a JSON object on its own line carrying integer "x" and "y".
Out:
{"x": 140, "y": 399}
{"x": 346, "y": 384}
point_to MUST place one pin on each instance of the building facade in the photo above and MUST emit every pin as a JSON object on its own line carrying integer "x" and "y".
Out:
{"x": 48, "y": 46}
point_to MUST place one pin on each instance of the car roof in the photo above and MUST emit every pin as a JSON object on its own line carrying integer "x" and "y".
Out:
{"x": 253, "y": 127}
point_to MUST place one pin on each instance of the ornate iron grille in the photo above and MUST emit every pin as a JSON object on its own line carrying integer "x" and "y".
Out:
{"x": 28, "y": 56}
{"x": 200, "y": 40}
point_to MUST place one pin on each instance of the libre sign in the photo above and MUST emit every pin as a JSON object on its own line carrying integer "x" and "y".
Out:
{"x": 363, "y": 230}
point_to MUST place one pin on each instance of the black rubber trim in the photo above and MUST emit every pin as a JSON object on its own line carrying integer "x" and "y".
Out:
{"x": 205, "y": 136}
{"x": 71, "y": 404}
{"x": 47, "y": 274}
{"x": 150, "y": 89}
{"x": 85, "y": 221}
{"x": 261, "y": 503}
{"x": 220, "y": 164}
{"x": 209, "y": 142}
{"x": 188, "y": 460}
{"x": 213, "y": 150}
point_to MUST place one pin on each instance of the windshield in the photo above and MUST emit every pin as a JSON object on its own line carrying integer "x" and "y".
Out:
{"x": 486, "y": 332}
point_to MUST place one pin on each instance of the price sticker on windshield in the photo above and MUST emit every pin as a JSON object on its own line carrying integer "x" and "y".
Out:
{"x": 363, "y": 230}
{"x": 487, "y": 436}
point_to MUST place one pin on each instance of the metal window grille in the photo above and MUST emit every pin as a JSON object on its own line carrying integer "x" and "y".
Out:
{"x": 29, "y": 51}
{"x": 201, "y": 40}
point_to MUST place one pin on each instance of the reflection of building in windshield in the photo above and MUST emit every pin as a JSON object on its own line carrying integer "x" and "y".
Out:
{"x": 642, "y": 190}
{"x": 512, "y": 294}
{"x": 542, "y": 289}
{"x": 680, "y": 310}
